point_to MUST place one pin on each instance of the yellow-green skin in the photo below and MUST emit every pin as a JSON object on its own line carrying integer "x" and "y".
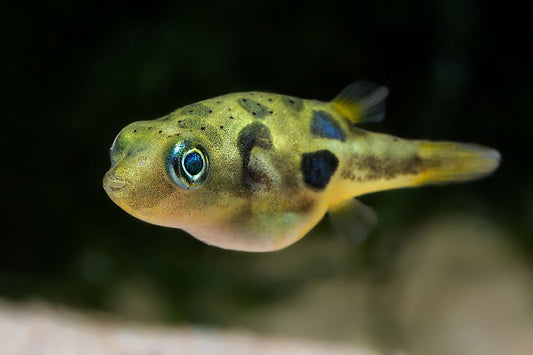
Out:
{"x": 265, "y": 203}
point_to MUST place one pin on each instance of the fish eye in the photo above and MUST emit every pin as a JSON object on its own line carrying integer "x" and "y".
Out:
{"x": 193, "y": 164}
{"x": 188, "y": 165}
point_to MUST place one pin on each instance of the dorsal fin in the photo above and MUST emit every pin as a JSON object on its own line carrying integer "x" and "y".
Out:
{"x": 361, "y": 101}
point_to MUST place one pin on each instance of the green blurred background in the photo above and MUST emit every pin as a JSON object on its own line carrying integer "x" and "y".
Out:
{"x": 75, "y": 73}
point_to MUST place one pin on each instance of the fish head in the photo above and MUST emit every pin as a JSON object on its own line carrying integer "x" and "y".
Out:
{"x": 170, "y": 174}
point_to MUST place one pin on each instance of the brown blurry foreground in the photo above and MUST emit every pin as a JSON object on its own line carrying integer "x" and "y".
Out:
{"x": 39, "y": 330}
{"x": 456, "y": 288}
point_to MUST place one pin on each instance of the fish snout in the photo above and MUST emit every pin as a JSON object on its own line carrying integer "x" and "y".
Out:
{"x": 112, "y": 182}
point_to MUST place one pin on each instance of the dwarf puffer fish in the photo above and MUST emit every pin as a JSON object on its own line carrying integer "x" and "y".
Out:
{"x": 255, "y": 171}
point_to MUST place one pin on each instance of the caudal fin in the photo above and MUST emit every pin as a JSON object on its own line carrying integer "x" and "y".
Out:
{"x": 455, "y": 162}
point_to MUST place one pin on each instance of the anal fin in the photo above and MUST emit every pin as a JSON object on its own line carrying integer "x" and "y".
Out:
{"x": 352, "y": 220}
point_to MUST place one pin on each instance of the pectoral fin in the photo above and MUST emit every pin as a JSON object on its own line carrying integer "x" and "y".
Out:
{"x": 352, "y": 220}
{"x": 260, "y": 172}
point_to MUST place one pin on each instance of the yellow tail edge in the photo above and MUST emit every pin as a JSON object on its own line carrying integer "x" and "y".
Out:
{"x": 449, "y": 162}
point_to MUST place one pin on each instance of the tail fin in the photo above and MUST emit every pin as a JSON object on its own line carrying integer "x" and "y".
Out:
{"x": 361, "y": 102}
{"x": 455, "y": 162}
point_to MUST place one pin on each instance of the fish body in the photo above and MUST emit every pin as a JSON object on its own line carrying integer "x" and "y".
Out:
{"x": 256, "y": 171}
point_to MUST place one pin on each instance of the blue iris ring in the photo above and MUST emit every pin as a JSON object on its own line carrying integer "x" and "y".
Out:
{"x": 188, "y": 164}
{"x": 193, "y": 163}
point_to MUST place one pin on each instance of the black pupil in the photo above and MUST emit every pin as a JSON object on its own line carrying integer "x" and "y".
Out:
{"x": 193, "y": 163}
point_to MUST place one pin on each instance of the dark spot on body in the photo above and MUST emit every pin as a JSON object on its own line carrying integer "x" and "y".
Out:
{"x": 191, "y": 123}
{"x": 202, "y": 128}
{"x": 253, "y": 135}
{"x": 221, "y": 127}
{"x": 160, "y": 132}
{"x": 198, "y": 109}
{"x": 318, "y": 168}
{"x": 324, "y": 125}
{"x": 293, "y": 102}
{"x": 254, "y": 108}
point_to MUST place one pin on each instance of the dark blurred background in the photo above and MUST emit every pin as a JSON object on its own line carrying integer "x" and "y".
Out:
{"x": 75, "y": 73}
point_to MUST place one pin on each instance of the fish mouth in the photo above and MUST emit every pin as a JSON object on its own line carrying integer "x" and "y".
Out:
{"x": 113, "y": 183}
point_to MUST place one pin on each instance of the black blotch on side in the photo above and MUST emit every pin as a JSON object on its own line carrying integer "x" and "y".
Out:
{"x": 255, "y": 134}
{"x": 196, "y": 110}
{"x": 325, "y": 126}
{"x": 254, "y": 108}
{"x": 318, "y": 168}
{"x": 293, "y": 102}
